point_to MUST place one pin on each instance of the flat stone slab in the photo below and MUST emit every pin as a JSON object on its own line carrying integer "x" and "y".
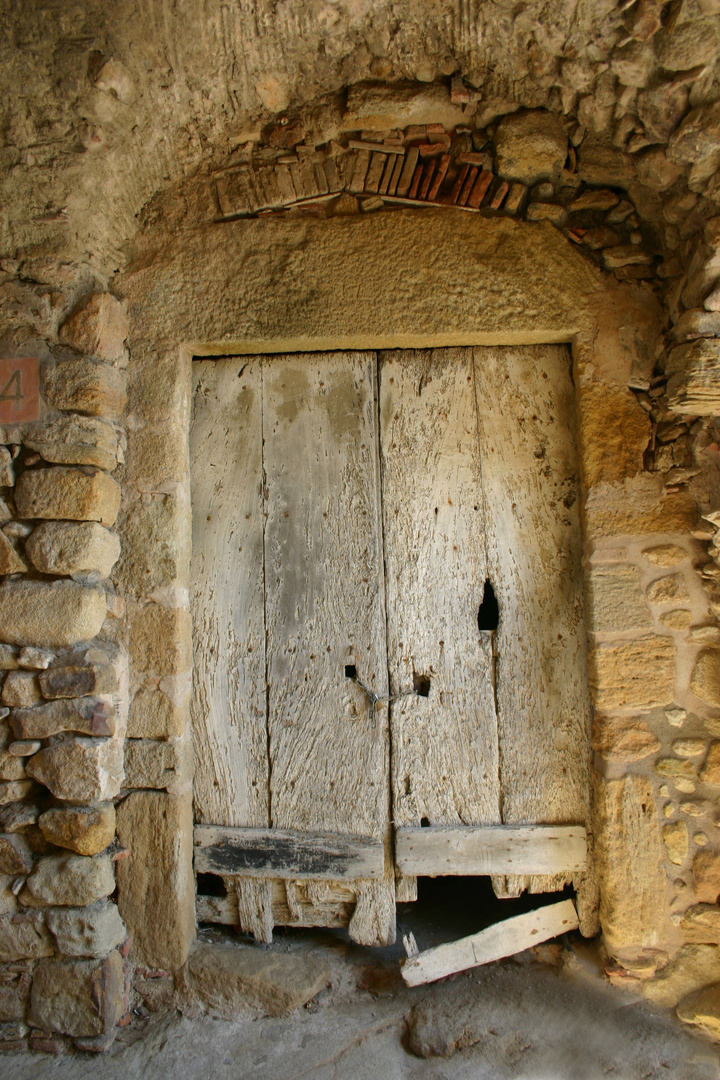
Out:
{"x": 230, "y": 980}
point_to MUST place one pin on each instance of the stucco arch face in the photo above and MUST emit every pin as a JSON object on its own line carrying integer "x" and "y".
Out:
{"x": 406, "y": 279}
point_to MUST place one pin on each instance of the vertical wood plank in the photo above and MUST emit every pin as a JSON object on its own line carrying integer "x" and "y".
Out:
{"x": 325, "y": 609}
{"x": 526, "y": 416}
{"x": 228, "y": 702}
{"x": 444, "y": 746}
{"x": 325, "y": 603}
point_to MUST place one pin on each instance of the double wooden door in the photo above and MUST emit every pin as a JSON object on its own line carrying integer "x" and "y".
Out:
{"x": 351, "y": 719}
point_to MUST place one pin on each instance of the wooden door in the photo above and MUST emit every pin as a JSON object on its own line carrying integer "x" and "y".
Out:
{"x": 288, "y": 594}
{"x": 348, "y": 511}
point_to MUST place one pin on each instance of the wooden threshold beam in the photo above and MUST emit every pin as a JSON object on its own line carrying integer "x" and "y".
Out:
{"x": 467, "y": 850}
{"x": 284, "y": 853}
{"x": 503, "y": 939}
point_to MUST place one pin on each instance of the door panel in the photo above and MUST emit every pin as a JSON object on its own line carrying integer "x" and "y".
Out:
{"x": 227, "y": 602}
{"x": 444, "y": 746}
{"x": 325, "y": 598}
{"x": 526, "y": 410}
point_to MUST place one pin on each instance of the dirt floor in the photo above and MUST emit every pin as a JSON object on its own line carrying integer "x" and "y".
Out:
{"x": 548, "y": 1014}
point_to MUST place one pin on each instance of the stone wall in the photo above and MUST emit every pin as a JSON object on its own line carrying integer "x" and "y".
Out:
{"x": 64, "y": 695}
{"x": 614, "y": 170}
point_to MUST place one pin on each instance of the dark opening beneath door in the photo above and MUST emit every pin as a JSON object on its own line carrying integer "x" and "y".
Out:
{"x": 448, "y": 908}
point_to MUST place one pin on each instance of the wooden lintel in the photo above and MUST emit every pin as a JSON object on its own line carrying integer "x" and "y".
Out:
{"x": 282, "y": 853}
{"x": 490, "y": 849}
{"x": 503, "y": 939}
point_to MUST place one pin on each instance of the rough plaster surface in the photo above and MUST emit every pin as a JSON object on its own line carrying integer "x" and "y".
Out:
{"x": 409, "y": 279}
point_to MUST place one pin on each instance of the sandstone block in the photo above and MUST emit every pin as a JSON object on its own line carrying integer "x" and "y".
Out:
{"x": 24, "y": 936}
{"x": 156, "y": 546}
{"x": 668, "y": 590}
{"x": 8, "y": 658}
{"x": 628, "y": 852}
{"x": 616, "y": 602}
{"x": 701, "y": 923}
{"x": 14, "y": 790}
{"x": 78, "y": 680}
{"x": 11, "y": 767}
{"x": 638, "y": 507}
{"x": 530, "y": 146}
{"x": 94, "y": 930}
{"x": 665, "y": 554}
{"x": 377, "y": 108}
{"x": 706, "y": 871}
{"x": 688, "y": 747}
{"x": 14, "y": 992}
{"x": 675, "y": 838}
{"x": 625, "y": 738}
{"x": 35, "y": 659}
{"x": 157, "y": 876}
{"x": 21, "y": 689}
{"x": 82, "y": 494}
{"x": 97, "y": 326}
{"x": 158, "y": 391}
{"x": 17, "y": 816}
{"x": 15, "y": 854}
{"x": 698, "y": 135}
{"x": 693, "y": 368}
{"x": 154, "y": 716}
{"x": 692, "y": 967}
{"x": 50, "y": 615}
{"x": 679, "y": 619}
{"x": 613, "y": 433}
{"x": 76, "y": 440}
{"x": 87, "y": 830}
{"x": 69, "y": 880}
{"x": 11, "y": 561}
{"x": 78, "y": 997}
{"x": 230, "y": 979}
{"x": 677, "y": 770}
{"x": 156, "y": 454}
{"x": 702, "y": 1010}
{"x": 86, "y": 387}
{"x": 85, "y": 715}
{"x": 154, "y": 763}
{"x": 705, "y": 678}
{"x": 160, "y": 640}
{"x": 62, "y": 547}
{"x": 633, "y": 673}
{"x": 689, "y": 45}
{"x": 82, "y": 770}
{"x": 711, "y": 770}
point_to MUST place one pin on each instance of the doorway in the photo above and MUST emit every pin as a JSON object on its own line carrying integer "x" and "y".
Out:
{"x": 388, "y": 631}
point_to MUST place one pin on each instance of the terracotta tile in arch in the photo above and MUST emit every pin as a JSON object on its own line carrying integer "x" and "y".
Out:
{"x": 19, "y": 389}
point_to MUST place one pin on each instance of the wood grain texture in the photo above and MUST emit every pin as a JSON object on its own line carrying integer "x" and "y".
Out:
{"x": 526, "y": 407}
{"x": 228, "y": 701}
{"x": 285, "y": 853}
{"x": 329, "y": 746}
{"x": 502, "y": 939}
{"x": 486, "y": 850}
{"x": 444, "y": 746}
{"x": 325, "y": 602}
{"x": 294, "y": 903}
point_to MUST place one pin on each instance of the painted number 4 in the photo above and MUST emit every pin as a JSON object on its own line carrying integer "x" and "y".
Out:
{"x": 19, "y": 389}
{"x": 12, "y": 391}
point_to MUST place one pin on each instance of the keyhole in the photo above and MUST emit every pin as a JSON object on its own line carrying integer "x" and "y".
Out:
{"x": 350, "y": 671}
{"x": 489, "y": 612}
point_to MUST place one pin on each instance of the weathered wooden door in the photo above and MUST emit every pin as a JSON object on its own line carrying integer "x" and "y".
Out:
{"x": 348, "y": 510}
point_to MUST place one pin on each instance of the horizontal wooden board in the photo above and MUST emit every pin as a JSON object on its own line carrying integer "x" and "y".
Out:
{"x": 283, "y": 853}
{"x": 490, "y": 849}
{"x": 503, "y": 939}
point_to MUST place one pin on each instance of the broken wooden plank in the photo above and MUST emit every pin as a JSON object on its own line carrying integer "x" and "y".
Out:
{"x": 501, "y": 849}
{"x": 503, "y": 939}
{"x": 228, "y": 703}
{"x": 285, "y": 853}
{"x": 444, "y": 745}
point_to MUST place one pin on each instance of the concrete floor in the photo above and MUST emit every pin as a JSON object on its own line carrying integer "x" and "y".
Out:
{"x": 521, "y": 1019}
